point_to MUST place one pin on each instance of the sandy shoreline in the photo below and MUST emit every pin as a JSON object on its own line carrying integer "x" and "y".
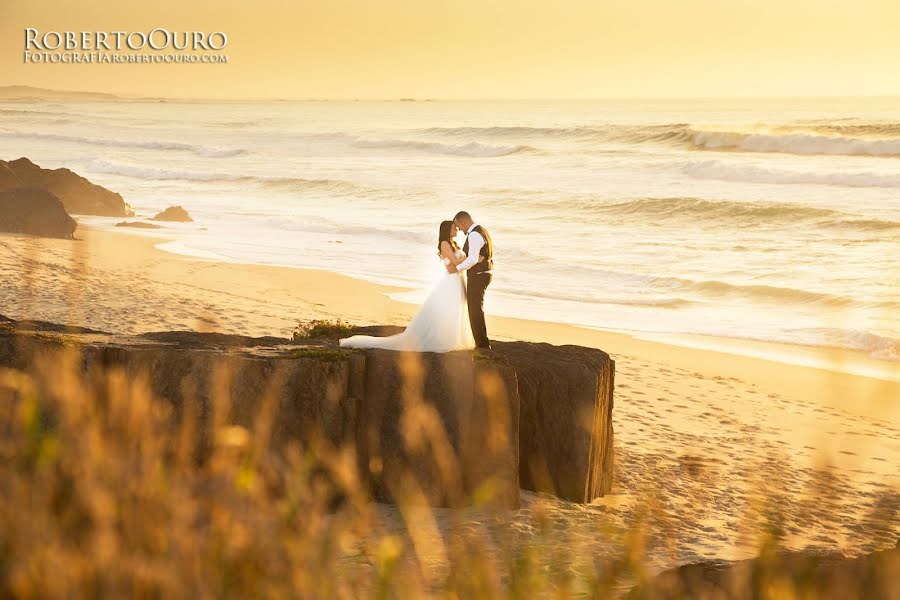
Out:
{"x": 222, "y": 294}
{"x": 705, "y": 430}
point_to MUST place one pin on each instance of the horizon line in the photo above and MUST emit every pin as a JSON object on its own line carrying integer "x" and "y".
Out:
{"x": 400, "y": 98}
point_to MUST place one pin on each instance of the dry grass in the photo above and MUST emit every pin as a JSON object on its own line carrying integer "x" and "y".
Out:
{"x": 104, "y": 496}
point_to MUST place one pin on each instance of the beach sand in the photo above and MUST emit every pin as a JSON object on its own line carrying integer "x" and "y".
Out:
{"x": 707, "y": 438}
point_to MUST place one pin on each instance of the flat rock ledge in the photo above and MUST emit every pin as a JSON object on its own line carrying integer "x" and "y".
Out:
{"x": 449, "y": 429}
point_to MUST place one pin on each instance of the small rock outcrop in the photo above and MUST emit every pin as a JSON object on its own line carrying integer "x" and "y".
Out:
{"x": 174, "y": 213}
{"x": 78, "y": 195}
{"x": 35, "y": 212}
{"x": 138, "y": 225}
{"x": 444, "y": 429}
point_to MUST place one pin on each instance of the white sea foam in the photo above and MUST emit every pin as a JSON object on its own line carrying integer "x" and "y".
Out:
{"x": 851, "y": 140}
{"x": 214, "y": 152}
{"x": 793, "y": 143}
{"x": 877, "y": 346}
{"x": 717, "y": 169}
{"x": 473, "y": 149}
{"x": 741, "y": 214}
{"x": 153, "y": 173}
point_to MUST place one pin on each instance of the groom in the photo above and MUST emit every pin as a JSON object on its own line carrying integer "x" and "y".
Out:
{"x": 479, "y": 263}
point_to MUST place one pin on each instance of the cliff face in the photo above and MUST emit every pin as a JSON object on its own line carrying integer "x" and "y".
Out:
{"x": 565, "y": 427}
{"x": 35, "y": 212}
{"x": 443, "y": 429}
{"x": 439, "y": 428}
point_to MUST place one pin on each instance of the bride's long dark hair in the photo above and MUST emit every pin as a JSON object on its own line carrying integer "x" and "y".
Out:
{"x": 444, "y": 236}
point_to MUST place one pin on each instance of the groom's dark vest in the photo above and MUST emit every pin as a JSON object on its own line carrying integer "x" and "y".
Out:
{"x": 487, "y": 251}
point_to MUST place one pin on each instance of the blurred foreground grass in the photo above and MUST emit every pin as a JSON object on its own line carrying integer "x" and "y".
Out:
{"x": 104, "y": 496}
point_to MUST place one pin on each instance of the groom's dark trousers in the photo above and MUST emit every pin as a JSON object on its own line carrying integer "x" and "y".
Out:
{"x": 477, "y": 284}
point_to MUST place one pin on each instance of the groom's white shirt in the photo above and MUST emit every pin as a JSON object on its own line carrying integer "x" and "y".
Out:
{"x": 476, "y": 242}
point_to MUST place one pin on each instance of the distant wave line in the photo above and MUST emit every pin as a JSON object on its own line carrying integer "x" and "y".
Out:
{"x": 163, "y": 174}
{"x": 881, "y": 139}
{"x": 151, "y": 145}
{"x": 472, "y": 149}
{"x": 693, "y": 209}
{"x": 793, "y": 143}
{"x": 723, "y": 171}
{"x": 769, "y": 293}
{"x": 742, "y": 210}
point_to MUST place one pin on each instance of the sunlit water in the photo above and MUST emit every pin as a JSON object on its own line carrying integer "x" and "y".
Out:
{"x": 769, "y": 219}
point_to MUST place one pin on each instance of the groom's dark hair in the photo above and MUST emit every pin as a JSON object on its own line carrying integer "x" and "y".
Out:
{"x": 462, "y": 215}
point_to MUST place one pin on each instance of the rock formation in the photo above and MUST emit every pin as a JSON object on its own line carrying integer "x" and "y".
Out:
{"x": 138, "y": 225}
{"x": 78, "y": 195}
{"x": 566, "y": 395}
{"x": 8, "y": 179}
{"x": 35, "y": 212}
{"x": 174, "y": 213}
{"x": 444, "y": 429}
{"x": 439, "y": 428}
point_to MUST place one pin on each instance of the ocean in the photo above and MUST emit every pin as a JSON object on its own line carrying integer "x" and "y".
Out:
{"x": 772, "y": 219}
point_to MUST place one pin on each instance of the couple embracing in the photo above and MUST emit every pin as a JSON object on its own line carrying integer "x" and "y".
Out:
{"x": 452, "y": 317}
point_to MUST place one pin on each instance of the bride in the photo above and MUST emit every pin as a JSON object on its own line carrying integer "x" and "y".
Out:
{"x": 442, "y": 323}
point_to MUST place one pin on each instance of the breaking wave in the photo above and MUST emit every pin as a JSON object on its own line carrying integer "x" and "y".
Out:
{"x": 718, "y": 209}
{"x": 165, "y": 174}
{"x": 882, "y": 139}
{"x": 715, "y": 169}
{"x": 150, "y": 145}
{"x": 671, "y": 303}
{"x": 742, "y": 213}
{"x": 585, "y": 132}
{"x": 473, "y": 149}
{"x": 320, "y": 225}
{"x": 876, "y": 346}
{"x": 793, "y": 143}
{"x": 765, "y": 293}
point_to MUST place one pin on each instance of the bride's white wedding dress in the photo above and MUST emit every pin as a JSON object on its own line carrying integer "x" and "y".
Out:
{"x": 441, "y": 325}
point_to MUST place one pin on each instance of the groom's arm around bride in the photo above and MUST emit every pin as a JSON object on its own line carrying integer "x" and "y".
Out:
{"x": 479, "y": 263}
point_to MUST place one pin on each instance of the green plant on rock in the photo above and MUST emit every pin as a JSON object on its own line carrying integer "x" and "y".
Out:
{"x": 321, "y": 328}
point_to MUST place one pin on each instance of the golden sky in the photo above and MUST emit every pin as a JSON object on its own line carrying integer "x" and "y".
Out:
{"x": 483, "y": 48}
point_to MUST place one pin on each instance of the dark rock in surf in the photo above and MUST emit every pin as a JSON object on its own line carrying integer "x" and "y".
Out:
{"x": 175, "y": 214}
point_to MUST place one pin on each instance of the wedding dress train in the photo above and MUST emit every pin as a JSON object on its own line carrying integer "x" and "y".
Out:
{"x": 441, "y": 325}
